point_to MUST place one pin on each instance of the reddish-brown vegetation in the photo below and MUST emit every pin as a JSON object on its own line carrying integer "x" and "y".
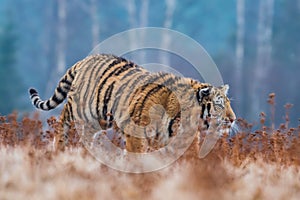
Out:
{"x": 264, "y": 164}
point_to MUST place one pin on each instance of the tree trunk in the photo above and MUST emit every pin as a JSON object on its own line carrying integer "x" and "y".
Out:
{"x": 91, "y": 9}
{"x": 144, "y": 13}
{"x": 143, "y": 23}
{"x": 260, "y": 91}
{"x": 131, "y": 9}
{"x": 164, "y": 58}
{"x": 95, "y": 23}
{"x": 62, "y": 36}
{"x": 240, "y": 20}
{"x": 60, "y": 47}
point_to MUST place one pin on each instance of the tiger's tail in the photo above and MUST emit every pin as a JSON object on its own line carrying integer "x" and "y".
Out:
{"x": 59, "y": 95}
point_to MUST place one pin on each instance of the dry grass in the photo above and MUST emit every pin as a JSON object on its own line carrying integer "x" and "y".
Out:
{"x": 260, "y": 165}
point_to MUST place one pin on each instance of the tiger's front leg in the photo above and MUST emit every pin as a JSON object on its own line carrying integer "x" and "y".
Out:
{"x": 135, "y": 144}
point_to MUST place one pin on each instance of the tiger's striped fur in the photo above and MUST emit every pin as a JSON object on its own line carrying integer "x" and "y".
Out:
{"x": 105, "y": 90}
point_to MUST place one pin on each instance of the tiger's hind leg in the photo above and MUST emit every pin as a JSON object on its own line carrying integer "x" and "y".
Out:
{"x": 61, "y": 138}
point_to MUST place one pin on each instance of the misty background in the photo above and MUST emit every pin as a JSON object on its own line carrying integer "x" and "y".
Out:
{"x": 255, "y": 44}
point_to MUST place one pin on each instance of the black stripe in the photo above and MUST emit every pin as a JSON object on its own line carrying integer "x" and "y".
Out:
{"x": 219, "y": 105}
{"x": 123, "y": 90}
{"x": 65, "y": 80}
{"x": 153, "y": 79}
{"x": 66, "y": 115}
{"x": 135, "y": 82}
{"x": 55, "y": 99}
{"x": 138, "y": 79}
{"x": 150, "y": 81}
{"x": 47, "y": 104}
{"x": 63, "y": 93}
{"x": 100, "y": 65}
{"x": 181, "y": 84}
{"x": 71, "y": 111}
{"x": 42, "y": 106}
{"x": 32, "y": 91}
{"x": 164, "y": 80}
{"x": 199, "y": 99}
{"x": 208, "y": 109}
{"x": 79, "y": 107}
{"x": 152, "y": 91}
{"x": 124, "y": 68}
{"x": 115, "y": 62}
{"x": 35, "y": 101}
{"x": 90, "y": 69}
{"x": 171, "y": 124}
{"x": 111, "y": 118}
{"x": 202, "y": 111}
{"x": 167, "y": 83}
{"x": 116, "y": 101}
{"x": 107, "y": 97}
{"x": 70, "y": 73}
{"x": 88, "y": 93}
{"x": 88, "y": 66}
{"x": 206, "y": 123}
{"x": 67, "y": 87}
{"x": 133, "y": 70}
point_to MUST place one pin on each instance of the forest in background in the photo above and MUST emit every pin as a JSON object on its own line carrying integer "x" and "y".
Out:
{"x": 255, "y": 44}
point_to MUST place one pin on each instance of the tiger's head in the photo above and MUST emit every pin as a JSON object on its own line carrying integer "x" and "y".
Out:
{"x": 215, "y": 105}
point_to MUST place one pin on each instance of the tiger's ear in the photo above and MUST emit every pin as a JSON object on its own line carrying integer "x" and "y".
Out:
{"x": 224, "y": 89}
{"x": 203, "y": 92}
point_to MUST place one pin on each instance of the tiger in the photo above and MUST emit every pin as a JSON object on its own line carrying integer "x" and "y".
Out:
{"x": 106, "y": 91}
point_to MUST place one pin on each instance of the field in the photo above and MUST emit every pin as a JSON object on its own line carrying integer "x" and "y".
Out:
{"x": 264, "y": 164}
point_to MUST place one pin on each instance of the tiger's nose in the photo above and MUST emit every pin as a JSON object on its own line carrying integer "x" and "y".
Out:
{"x": 227, "y": 119}
{"x": 232, "y": 117}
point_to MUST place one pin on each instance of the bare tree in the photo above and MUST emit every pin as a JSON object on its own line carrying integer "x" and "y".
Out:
{"x": 62, "y": 36}
{"x": 132, "y": 13}
{"x": 264, "y": 51}
{"x": 61, "y": 45}
{"x": 131, "y": 9}
{"x": 95, "y": 23}
{"x": 143, "y": 23}
{"x": 135, "y": 20}
{"x": 167, "y": 24}
{"x": 144, "y": 13}
{"x": 240, "y": 17}
{"x": 91, "y": 8}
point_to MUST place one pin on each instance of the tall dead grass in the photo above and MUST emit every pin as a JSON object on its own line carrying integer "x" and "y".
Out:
{"x": 264, "y": 164}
